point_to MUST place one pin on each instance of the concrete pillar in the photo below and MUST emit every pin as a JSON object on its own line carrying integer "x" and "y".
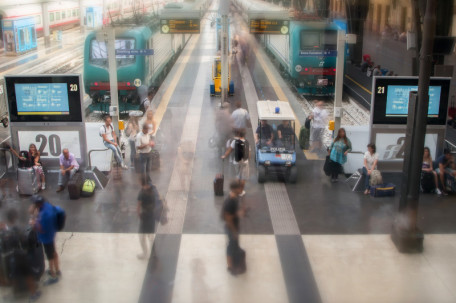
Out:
{"x": 81, "y": 16}
{"x": 339, "y": 85}
{"x": 46, "y": 31}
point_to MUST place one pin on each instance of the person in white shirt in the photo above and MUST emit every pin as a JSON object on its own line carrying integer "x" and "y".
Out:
{"x": 241, "y": 157}
{"x": 110, "y": 140}
{"x": 144, "y": 145}
{"x": 319, "y": 118}
{"x": 241, "y": 117}
{"x": 370, "y": 164}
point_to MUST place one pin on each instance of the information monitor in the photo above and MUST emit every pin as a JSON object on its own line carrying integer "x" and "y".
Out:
{"x": 44, "y": 98}
{"x": 391, "y": 99}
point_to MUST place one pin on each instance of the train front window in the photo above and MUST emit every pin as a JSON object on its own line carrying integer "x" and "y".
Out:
{"x": 310, "y": 40}
{"x": 99, "y": 52}
{"x": 330, "y": 40}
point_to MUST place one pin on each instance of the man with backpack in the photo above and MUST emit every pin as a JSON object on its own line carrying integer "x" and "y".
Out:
{"x": 45, "y": 221}
{"x": 110, "y": 140}
{"x": 241, "y": 149}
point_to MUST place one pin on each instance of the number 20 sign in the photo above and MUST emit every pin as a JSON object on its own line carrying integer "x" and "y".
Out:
{"x": 50, "y": 143}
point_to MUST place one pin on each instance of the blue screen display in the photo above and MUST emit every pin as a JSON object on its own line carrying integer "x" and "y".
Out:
{"x": 398, "y": 98}
{"x": 42, "y": 98}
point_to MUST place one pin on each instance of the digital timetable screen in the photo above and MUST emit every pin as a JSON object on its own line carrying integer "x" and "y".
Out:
{"x": 42, "y": 98}
{"x": 397, "y": 100}
{"x": 391, "y": 99}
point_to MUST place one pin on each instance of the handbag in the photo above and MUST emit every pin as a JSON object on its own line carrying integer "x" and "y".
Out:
{"x": 327, "y": 166}
{"x": 307, "y": 123}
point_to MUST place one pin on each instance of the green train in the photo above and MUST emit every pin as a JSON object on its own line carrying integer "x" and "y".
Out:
{"x": 133, "y": 72}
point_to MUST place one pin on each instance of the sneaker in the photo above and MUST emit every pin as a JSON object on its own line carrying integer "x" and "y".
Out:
{"x": 43, "y": 186}
{"x": 444, "y": 193}
{"x": 438, "y": 192}
{"x": 124, "y": 166}
{"x": 51, "y": 280}
{"x": 35, "y": 296}
{"x": 59, "y": 273}
{"x": 242, "y": 194}
{"x": 59, "y": 189}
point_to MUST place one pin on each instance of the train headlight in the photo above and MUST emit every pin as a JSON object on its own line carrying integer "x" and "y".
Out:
{"x": 267, "y": 163}
{"x": 301, "y": 84}
{"x": 298, "y": 68}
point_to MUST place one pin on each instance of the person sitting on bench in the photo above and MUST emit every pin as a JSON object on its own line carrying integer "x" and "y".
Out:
{"x": 68, "y": 167}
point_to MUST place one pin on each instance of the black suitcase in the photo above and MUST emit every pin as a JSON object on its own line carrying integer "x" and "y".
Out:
{"x": 75, "y": 186}
{"x": 218, "y": 185}
{"x": 154, "y": 159}
{"x": 427, "y": 182}
{"x": 35, "y": 255}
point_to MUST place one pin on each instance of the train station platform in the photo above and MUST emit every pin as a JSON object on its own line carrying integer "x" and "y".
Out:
{"x": 313, "y": 241}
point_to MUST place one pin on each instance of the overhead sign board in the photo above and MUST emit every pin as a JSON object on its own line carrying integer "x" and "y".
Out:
{"x": 134, "y": 52}
{"x": 269, "y": 26}
{"x": 180, "y": 26}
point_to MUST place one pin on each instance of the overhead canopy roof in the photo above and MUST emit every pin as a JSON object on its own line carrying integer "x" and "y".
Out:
{"x": 267, "y": 110}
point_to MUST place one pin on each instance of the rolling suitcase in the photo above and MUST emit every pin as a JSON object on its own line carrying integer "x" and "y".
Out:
{"x": 27, "y": 181}
{"x": 154, "y": 159}
{"x": 427, "y": 182}
{"x": 218, "y": 183}
{"x": 75, "y": 186}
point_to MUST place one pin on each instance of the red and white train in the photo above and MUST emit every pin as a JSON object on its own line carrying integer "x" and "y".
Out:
{"x": 66, "y": 14}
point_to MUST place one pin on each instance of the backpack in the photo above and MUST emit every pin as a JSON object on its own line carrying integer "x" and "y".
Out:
{"x": 60, "y": 218}
{"x": 375, "y": 178}
{"x": 106, "y": 132}
{"x": 241, "y": 150}
{"x": 28, "y": 162}
{"x": 88, "y": 188}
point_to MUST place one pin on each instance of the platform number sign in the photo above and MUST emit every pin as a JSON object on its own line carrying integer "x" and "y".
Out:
{"x": 73, "y": 87}
{"x": 50, "y": 143}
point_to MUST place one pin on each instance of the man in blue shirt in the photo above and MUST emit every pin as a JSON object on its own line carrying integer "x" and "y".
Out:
{"x": 45, "y": 224}
{"x": 446, "y": 166}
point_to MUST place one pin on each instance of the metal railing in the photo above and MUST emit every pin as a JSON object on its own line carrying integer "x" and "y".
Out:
{"x": 3, "y": 155}
{"x": 450, "y": 146}
{"x": 95, "y": 150}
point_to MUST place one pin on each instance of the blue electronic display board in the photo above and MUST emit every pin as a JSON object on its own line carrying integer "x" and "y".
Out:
{"x": 390, "y": 100}
{"x": 397, "y": 100}
{"x": 42, "y": 98}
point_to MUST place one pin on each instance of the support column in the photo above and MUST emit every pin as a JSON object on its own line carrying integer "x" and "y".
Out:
{"x": 224, "y": 11}
{"x": 338, "y": 112}
{"x": 113, "y": 75}
{"x": 406, "y": 235}
{"x": 81, "y": 16}
{"x": 46, "y": 32}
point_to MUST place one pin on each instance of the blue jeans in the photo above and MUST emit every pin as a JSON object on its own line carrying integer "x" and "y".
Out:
{"x": 145, "y": 164}
{"x": 63, "y": 179}
{"x": 132, "y": 152}
{"x": 116, "y": 151}
{"x": 366, "y": 179}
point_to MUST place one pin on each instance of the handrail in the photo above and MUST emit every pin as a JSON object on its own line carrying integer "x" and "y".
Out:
{"x": 95, "y": 150}
{"x": 6, "y": 161}
{"x": 451, "y": 145}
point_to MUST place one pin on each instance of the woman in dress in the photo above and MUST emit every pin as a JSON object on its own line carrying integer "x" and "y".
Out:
{"x": 338, "y": 153}
{"x": 34, "y": 161}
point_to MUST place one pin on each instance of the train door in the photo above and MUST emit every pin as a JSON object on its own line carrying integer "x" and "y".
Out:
{"x": 21, "y": 40}
{"x": 1, "y": 32}
{"x": 403, "y": 19}
{"x": 370, "y": 18}
{"x": 379, "y": 17}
